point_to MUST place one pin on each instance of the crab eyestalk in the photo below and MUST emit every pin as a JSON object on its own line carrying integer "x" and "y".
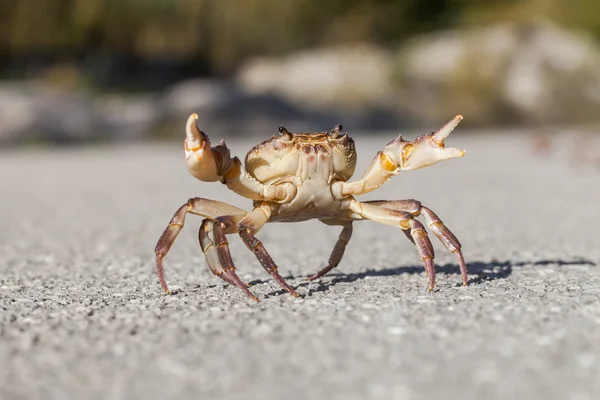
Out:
{"x": 426, "y": 150}
{"x": 285, "y": 134}
{"x": 336, "y": 131}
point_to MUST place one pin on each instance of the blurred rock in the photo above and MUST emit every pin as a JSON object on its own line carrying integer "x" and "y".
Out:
{"x": 352, "y": 76}
{"x": 196, "y": 95}
{"x": 352, "y": 83}
{"x": 31, "y": 112}
{"x": 36, "y": 113}
{"x": 225, "y": 109}
{"x": 510, "y": 74}
{"x": 17, "y": 108}
{"x": 128, "y": 117}
{"x": 501, "y": 75}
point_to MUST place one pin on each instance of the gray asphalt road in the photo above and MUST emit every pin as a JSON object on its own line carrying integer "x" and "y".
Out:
{"x": 82, "y": 314}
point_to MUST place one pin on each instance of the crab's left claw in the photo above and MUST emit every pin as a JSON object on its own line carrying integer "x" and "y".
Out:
{"x": 203, "y": 161}
{"x": 429, "y": 149}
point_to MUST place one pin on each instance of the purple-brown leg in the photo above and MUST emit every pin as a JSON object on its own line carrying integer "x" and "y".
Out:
{"x": 406, "y": 222}
{"x": 166, "y": 240}
{"x": 218, "y": 255}
{"x": 248, "y": 227}
{"x": 338, "y": 251}
{"x": 448, "y": 239}
{"x": 434, "y": 223}
{"x": 207, "y": 208}
{"x": 425, "y": 249}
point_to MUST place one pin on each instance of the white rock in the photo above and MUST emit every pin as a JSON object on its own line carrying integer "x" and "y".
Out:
{"x": 327, "y": 77}
{"x": 503, "y": 74}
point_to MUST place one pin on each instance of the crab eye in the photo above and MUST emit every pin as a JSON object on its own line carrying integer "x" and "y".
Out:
{"x": 335, "y": 132}
{"x": 285, "y": 135}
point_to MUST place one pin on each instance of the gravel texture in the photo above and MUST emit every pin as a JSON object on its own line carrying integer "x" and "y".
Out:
{"x": 82, "y": 314}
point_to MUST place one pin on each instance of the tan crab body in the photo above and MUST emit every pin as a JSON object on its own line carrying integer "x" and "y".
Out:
{"x": 303, "y": 176}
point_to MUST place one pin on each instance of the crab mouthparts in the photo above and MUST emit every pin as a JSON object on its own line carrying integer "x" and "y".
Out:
{"x": 439, "y": 136}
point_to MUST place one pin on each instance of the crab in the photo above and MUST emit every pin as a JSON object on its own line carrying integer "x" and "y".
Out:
{"x": 295, "y": 177}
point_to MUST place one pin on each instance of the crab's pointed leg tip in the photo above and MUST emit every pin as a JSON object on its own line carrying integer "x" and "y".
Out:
{"x": 194, "y": 116}
{"x": 459, "y": 117}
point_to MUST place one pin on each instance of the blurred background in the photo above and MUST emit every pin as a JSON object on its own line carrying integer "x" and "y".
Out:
{"x": 75, "y": 71}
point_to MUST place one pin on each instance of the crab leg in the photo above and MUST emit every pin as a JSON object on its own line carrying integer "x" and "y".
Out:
{"x": 248, "y": 227}
{"x": 405, "y": 221}
{"x": 218, "y": 255}
{"x": 410, "y": 206}
{"x": 448, "y": 239}
{"x": 435, "y": 224}
{"x": 400, "y": 155}
{"x": 338, "y": 251}
{"x": 207, "y": 208}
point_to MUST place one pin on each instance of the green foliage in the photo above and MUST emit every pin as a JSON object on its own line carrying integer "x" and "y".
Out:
{"x": 222, "y": 33}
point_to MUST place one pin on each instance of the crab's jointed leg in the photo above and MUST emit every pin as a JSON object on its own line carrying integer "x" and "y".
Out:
{"x": 212, "y": 164}
{"x": 338, "y": 250}
{"x": 217, "y": 252}
{"x": 448, "y": 239}
{"x": 405, "y": 221}
{"x": 400, "y": 155}
{"x": 248, "y": 227}
{"x": 207, "y": 208}
{"x": 434, "y": 223}
{"x": 410, "y": 206}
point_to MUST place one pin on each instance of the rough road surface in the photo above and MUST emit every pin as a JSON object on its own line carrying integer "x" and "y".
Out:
{"x": 82, "y": 315}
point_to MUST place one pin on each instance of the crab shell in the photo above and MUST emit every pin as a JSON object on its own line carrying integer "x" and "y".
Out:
{"x": 328, "y": 154}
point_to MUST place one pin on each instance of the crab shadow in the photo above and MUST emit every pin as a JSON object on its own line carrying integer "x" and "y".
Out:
{"x": 478, "y": 271}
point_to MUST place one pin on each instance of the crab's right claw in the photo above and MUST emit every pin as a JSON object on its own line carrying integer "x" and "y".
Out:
{"x": 429, "y": 149}
{"x": 203, "y": 162}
